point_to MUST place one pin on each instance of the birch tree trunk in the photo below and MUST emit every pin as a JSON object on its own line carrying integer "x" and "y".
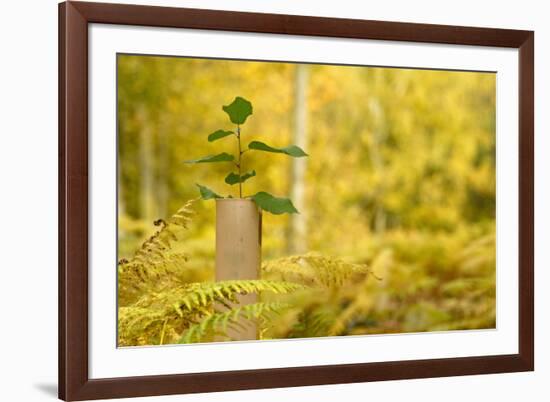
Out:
{"x": 146, "y": 169}
{"x": 379, "y": 139}
{"x": 297, "y": 231}
{"x": 121, "y": 205}
{"x": 163, "y": 169}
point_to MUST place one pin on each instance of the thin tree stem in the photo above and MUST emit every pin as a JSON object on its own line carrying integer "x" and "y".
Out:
{"x": 239, "y": 165}
{"x": 162, "y": 332}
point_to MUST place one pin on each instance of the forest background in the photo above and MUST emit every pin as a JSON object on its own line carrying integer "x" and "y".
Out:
{"x": 401, "y": 175}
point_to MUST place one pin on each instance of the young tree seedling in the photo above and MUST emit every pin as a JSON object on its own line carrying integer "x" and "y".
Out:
{"x": 238, "y": 111}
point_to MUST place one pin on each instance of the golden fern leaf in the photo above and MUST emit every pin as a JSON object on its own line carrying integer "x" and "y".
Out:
{"x": 154, "y": 259}
{"x": 206, "y": 293}
{"x": 315, "y": 270}
{"x": 175, "y": 309}
{"x": 218, "y": 323}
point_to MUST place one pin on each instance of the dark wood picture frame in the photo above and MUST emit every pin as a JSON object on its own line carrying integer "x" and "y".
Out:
{"x": 74, "y": 382}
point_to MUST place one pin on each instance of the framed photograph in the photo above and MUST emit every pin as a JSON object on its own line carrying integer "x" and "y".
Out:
{"x": 260, "y": 200}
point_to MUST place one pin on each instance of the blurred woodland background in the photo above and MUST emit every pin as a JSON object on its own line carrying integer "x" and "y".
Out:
{"x": 400, "y": 177}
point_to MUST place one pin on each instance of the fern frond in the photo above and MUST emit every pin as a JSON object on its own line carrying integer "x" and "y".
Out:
{"x": 138, "y": 325}
{"x": 205, "y": 293}
{"x": 172, "y": 310}
{"x": 315, "y": 270}
{"x": 153, "y": 249}
{"x": 316, "y": 322}
{"x": 154, "y": 260}
{"x": 218, "y": 323}
{"x": 359, "y": 302}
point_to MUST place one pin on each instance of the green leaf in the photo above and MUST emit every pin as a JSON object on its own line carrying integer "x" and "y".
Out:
{"x": 206, "y": 193}
{"x": 238, "y": 110}
{"x": 223, "y": 157}
{"x": 233, "y": 178}
{"x": 291, "y": 150}
{"x": 216, "y": 135}
{"x": 273, "y": 204}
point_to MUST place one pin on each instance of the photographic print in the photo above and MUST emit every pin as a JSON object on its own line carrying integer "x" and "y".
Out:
{"x": 268, "y": 200}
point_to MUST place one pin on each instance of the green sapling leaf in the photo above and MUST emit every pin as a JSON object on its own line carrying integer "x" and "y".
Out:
{"x": 206, "y": 193}
{"x": 223, "y": 157}
{"x": 273, "y": 204}
{"x": 238, "y": 110}
{"x": 216, "y": 135}
{"x": 291, "y": 150}
{"x": 233, "y": 178}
